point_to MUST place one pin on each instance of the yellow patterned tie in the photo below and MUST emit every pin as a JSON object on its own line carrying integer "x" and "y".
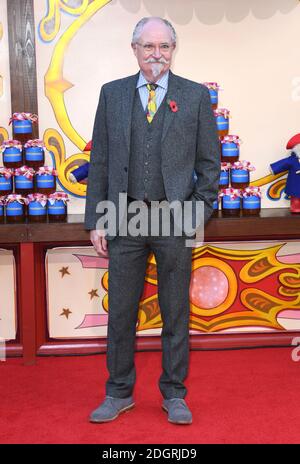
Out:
{"x": 151, "y": 106}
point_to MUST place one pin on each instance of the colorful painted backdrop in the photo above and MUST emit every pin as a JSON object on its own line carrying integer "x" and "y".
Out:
{"x": 235, "y": 287}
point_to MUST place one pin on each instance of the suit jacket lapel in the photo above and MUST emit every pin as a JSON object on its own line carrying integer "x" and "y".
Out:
{"x": 128, "y": 92}
{"x": 173, "y": 93}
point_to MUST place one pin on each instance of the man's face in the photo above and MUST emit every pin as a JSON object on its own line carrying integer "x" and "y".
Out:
{"x": 154, "y": 49}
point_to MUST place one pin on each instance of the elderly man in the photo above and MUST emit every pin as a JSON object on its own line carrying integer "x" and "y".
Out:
{"x": 153, "y": 131}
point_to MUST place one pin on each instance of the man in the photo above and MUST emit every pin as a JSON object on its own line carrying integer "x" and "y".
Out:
{"x": 148, "y": 142}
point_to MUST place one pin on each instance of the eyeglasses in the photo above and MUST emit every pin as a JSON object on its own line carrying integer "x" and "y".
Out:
{"x": 149, "y": 47}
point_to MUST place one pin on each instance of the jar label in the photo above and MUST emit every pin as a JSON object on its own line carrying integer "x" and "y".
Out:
{"x": 216, "y": 204}
{"x": 46, "y": 181}
{"x": 22, "y": 127}
{"x": 224, "y": 177}
{"x": 1, "y": 210}
{"x": 56, "y": 209}
{"x": 239, "y": 175}
{"x": 12, "y": 155}
{"x": 5, "y": 184}
{"x": 22, "y": 182}
{"x": 36, "y": 209}
{"x": 34, "y": 155}
{"x": 251, "y": 202}
{"x": 14, "y": 209}
{"x": 222, "y": 123}
{"x": 231, "y": 204}
{"x": 230, "y": 149}
{"x": 213, "y": 96}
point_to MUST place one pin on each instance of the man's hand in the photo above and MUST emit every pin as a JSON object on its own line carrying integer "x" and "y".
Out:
{"x": 99, "y": 242}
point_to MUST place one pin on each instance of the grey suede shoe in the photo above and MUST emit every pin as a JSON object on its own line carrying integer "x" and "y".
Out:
{"x": 111, "y": 408}
{"x": 178, "y": 411}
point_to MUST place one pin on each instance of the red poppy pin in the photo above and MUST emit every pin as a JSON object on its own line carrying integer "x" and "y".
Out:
{"x": 173, "y": 106}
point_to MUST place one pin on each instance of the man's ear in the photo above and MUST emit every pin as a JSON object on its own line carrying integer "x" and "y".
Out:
{"x": 133, "y": 46}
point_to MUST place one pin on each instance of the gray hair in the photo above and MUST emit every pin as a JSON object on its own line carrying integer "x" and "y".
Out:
{"x": 140, "y": 25}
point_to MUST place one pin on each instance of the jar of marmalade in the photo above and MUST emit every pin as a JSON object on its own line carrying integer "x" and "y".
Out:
{"x": 24, "y": 180}
{"x": 240, "y": 174}
{"x": 240, "y": 178}
{"x": 22, "y": 125}
{"x": 45, "y": 180}
{"x": 222, "y": 120}
{"x": 231, "y": 202}
{"x": 57, "y": 207}
{"x": 15, "y": 208}
{"x": 251, "y": 201}
{"x": 6, "y": 181}
{"x": 37, "y": 207}
{"x": 34, "y": 153}
{"x": 213, "y": 88}
{"x": 230, "y": 151}
{"x": 12, "y": 154}
{"x": 224, "y": 175}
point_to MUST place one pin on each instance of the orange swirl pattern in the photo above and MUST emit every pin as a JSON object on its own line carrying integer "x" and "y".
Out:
{"x": 258, "y": 285}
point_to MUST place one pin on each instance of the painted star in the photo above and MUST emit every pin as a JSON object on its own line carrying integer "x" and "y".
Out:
{"x": 64, "y": 271}
{"x": 66, "y": 312}
{"x": 93, "y": 293}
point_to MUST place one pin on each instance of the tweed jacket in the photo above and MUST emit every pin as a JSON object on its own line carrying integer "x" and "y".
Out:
{"x": 189, "y": 145}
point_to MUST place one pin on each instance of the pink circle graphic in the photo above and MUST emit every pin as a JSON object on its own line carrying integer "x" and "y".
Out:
{"x": 209, "y": 287}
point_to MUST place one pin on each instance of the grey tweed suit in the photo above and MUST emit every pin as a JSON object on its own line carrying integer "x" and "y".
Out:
{"x": 189, "y": 142}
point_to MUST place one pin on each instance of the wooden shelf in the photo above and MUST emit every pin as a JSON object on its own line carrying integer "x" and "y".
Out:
{"x": 272, "y": 223}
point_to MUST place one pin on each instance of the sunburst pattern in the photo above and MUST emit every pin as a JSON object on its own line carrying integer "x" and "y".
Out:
{"x": 244, "y": 305}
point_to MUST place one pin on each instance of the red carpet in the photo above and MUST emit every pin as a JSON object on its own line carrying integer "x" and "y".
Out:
{"x": 246, "y": 396}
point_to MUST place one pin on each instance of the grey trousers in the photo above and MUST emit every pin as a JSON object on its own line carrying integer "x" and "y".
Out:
{"x": 127, "y": 265}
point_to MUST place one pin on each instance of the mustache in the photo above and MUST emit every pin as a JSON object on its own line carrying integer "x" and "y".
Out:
{"x": 161, "y": 60}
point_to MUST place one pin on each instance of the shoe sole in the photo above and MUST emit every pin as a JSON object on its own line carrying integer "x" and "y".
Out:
{"x": 177, "y": 422}
{"x": 127, "y": 408}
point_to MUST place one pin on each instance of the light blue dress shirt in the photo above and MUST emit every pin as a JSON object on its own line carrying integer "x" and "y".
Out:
{"x": 160, "y": 91}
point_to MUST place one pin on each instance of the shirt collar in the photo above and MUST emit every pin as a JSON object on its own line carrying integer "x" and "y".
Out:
{"x": 162, "y": 82}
